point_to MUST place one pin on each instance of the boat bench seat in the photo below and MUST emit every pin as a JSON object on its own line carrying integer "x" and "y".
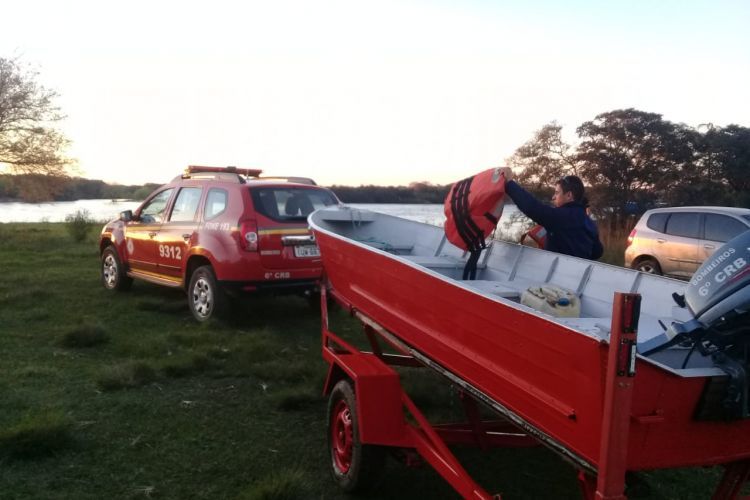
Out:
{"x": 492, "y": 287}
{"x": 439, "y": 262}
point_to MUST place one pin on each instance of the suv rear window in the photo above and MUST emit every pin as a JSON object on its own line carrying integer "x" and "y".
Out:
{"x": 685, "y": 224}
{"x": 658, "y": 221}
{"x": 290, "y": 204}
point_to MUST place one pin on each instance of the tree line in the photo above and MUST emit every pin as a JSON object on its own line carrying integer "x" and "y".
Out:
{"x": 78, "y": 188}
{"x": 630, "y": 160}
{"x": 416, "y": 192}
{"x": 18, "y": 187}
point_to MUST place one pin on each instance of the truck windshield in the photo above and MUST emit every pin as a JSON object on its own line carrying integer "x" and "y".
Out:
{"x": 290, "y": 204}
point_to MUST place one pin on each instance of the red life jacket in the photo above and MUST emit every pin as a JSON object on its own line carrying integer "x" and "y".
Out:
{"x": 472, "y": 209}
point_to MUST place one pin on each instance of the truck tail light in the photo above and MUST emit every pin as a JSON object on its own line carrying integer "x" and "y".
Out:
{"x": 631, "y": 237}
{"x": 249, "y": 236}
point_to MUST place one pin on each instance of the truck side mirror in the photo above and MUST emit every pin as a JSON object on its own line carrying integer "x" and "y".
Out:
{"x": 126, "y": 216}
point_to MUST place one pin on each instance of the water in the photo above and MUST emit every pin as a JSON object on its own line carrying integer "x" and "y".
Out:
{"x": 99, "y": 210}
{"x": 510, "y": 226}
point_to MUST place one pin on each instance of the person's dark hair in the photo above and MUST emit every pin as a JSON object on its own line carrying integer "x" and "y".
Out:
{"x": 573, "y": 184}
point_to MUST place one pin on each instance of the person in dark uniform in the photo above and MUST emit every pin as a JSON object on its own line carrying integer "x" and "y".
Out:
{"x": 569, "y": 229}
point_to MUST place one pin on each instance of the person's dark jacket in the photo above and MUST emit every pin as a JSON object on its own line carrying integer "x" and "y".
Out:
{"x": 569, "y": 229}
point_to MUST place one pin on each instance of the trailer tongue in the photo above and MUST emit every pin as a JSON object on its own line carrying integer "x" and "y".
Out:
{"x": 610, "y": 390}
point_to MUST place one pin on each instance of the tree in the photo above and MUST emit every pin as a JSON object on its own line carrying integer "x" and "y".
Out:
{"x": 29, "y": 142}
{"x": 546, "y": 156}
{"x": 727, "y": 155}
{"x": 635, "y": 156}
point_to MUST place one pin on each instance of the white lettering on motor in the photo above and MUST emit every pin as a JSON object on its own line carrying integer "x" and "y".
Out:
{"x": 278, "y": 275}
{"x": 170, "y": 252}
{"x": 713, "y": 265}
{"x": 730, "y": 269}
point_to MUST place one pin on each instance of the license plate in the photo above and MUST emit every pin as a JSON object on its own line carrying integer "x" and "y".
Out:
{"x": 306, "y": 251}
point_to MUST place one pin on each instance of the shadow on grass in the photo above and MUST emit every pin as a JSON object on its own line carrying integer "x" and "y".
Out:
{"x": 163, "y": 306}
{"x": 36, "y": 436}
{"x": 84, "y": 336}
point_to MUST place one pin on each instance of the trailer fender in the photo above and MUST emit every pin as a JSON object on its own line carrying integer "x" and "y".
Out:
{"x": 378, "y": 393}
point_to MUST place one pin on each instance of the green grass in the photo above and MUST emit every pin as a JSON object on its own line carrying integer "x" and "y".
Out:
{"x": 124, "y": 395}
{"x": 282, "y": 485}
{"x": 35, "y": 436}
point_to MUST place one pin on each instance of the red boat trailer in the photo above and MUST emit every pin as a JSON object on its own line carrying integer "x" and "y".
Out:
{"x": 368, "y": 408}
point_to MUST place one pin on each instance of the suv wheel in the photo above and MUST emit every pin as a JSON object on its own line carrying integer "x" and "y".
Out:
{"x": 649, "y": 266}
{"x": 205, "y": 299}
{"x": 113, "y": 272}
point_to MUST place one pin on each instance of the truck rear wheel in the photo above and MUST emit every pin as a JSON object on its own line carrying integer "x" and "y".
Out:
{"x": 355, "y": 466}
{"x": 205, "y": 298}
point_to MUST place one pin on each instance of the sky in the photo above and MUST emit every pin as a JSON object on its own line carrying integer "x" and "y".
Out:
{"x": 367, "y": 92}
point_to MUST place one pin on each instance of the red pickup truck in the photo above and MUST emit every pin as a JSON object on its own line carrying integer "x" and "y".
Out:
{"x": 214, "y": 231}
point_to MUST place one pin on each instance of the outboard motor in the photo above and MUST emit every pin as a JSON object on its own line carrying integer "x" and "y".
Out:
{"x": 718, "y": 298}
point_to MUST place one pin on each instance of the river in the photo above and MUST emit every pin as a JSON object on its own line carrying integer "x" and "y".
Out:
{"x": 104, "y": 210}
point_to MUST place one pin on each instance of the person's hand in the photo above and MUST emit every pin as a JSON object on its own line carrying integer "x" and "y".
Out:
{"x": 507, "y": 173}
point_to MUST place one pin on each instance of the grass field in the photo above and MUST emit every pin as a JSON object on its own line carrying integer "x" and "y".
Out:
{"x": 106, "y": 395}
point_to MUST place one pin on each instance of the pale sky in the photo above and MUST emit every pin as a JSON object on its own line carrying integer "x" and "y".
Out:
{"x": 367, "y": 92}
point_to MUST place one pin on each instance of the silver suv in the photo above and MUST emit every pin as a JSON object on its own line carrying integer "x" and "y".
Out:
{"x": 675, "y": 241}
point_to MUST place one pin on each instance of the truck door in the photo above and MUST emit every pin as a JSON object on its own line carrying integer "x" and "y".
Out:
{"x": 177, "y": 232}
{"x": 141, "y": 232}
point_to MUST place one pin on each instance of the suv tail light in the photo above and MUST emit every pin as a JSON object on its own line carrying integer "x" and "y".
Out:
{"x": 249, "y": 236}
{"x": 631, "y": 237}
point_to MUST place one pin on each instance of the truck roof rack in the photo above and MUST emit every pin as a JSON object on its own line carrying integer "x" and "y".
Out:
{"x": 240, "y": 175}
{"x": 298, "y": 180}
{"x": 223, "y": 173}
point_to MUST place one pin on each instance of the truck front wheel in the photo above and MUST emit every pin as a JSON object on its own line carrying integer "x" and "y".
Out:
{"x": 113, "y": 272}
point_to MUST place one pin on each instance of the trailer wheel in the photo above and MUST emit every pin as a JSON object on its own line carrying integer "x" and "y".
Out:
{"x": 355, "y": 466}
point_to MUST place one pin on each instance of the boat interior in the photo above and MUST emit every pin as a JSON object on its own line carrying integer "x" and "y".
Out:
{"x": 506, "y": 270}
